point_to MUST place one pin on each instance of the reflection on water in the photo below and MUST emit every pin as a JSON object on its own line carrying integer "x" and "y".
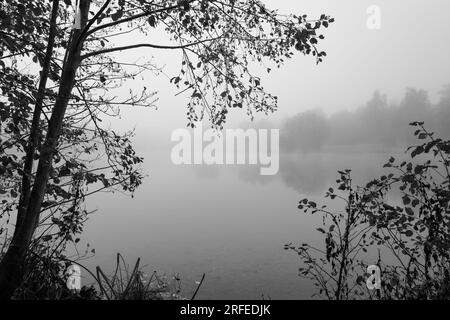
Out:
{"x": 312, "y": 173}
{"x": 228, "y": 222}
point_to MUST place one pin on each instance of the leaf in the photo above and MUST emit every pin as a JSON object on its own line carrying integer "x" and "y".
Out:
{"x": 152, "y": 21}
{"x": 46, "y": 238}
{"x": 409, "y": 211}
{"x": 415, "y": 203}
{"x": 116, "y": 16}
{"x": 419, "y": 150}
{"x": 406, "y": 200}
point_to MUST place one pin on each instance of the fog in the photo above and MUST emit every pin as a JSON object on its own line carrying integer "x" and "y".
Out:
{"x": 408, "y": 51}
{"x": 352, "y": 111}
{"x": 379, "y": 125}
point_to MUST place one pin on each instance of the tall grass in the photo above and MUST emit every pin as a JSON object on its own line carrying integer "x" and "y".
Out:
{"x": 133, "y": 284}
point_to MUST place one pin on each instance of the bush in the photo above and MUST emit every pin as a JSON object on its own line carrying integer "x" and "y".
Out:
{"x": 413, "y": 233}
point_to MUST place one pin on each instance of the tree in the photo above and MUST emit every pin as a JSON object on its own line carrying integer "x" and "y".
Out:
{"x": 58, "y": 125}
{"x": 306, "y": 132}
{"x": 443, "y": 113}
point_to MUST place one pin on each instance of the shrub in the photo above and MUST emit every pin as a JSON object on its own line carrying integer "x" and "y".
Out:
{"x": 413, "y": 232}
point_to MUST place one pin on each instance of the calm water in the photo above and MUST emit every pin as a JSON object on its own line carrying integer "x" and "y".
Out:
{"x": 228, "y": 222}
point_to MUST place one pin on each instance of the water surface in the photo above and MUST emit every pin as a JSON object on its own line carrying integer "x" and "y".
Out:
{"x": 228, "y": 222}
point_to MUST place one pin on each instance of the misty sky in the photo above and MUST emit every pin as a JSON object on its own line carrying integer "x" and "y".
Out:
{"x": 410, "y": 50}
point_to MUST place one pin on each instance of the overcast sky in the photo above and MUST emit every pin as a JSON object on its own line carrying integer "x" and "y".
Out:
{"x": 410, "y": 50}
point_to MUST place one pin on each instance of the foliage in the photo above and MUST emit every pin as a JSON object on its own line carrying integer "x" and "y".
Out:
{"x": 335, "y": 269}
{"x": 72, "y": 177}
{"x": 60, "y": 82}
{"x": 219, "y": 40}
{"x": 46, "y": 276}
{"x": 47, "y": 280}
{"x": 23, "y": 25}
{"x": 411, "y": 231}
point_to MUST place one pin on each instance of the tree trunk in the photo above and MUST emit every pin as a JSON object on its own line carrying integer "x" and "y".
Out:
{"x": 11, "y": 266}
{"x": 34, "y": 139}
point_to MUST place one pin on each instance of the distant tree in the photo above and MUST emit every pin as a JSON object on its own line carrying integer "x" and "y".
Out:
{"x": 445, "y": 95}
{"x": 386, "y": 124}
{"x": 305, "y": 132}
{"x": 442, "y": 118}
{"x": 376, "y": 121}
{"x": 54, "y": 117}
{"x": 415, "y": 106}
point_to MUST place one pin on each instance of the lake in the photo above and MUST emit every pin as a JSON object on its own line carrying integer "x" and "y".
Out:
{"x": 228, "y": 222}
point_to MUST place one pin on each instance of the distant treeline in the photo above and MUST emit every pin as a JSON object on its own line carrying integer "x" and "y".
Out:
{"x": 377, "y": 123}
